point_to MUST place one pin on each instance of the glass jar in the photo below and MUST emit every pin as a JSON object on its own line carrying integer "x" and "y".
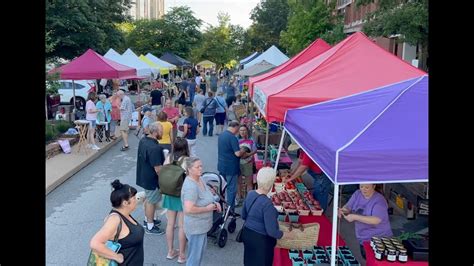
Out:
{"x": 373, "y": 240}
{"x": 391, "y": 254}
{"x": 387, "y": 247}
{"x": 379, "y": 253}
{"x": 403, "y": 255}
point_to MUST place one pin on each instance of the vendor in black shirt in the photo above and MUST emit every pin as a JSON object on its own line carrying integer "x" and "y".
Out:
{"x": 149, "y": 161}
{"x": 155, "y": 101}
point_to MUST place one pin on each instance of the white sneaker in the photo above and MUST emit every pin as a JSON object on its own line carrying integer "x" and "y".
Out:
{"x": 95, "y": 147}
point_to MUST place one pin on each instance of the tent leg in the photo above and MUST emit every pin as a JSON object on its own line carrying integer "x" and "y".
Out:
{"x": 279, "y": 149}
{"x": 74, "y": 100}
{"x": 334, "y": 224}
{"x": 266, "y": 145}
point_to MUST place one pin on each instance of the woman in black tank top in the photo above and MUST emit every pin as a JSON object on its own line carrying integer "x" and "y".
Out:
{"x": 131, "y": 234}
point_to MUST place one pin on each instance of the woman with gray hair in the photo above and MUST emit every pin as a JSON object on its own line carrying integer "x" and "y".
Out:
{"x": 261, "y": 229}
{"x": 105, "y": 113}
{"x": 198, "y": 207}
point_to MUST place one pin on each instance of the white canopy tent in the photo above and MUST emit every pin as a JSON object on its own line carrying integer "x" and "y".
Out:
{"x": 143, "y": 69}
{"x": 160, "y": 62}
{"x": 272, "y": 55}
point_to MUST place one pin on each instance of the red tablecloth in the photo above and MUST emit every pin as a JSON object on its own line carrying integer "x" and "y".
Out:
{"x": 284, "y": 159}
{"x": 325, "y": 230}
{"x": 371, "y": 261}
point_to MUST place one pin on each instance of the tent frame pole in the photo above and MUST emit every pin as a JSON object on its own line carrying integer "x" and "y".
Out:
{"x": 280, "y": 147}
{"x": 334, "y": 224}
{"x": 74, "y": 99}
{"x": 266, "y": 145}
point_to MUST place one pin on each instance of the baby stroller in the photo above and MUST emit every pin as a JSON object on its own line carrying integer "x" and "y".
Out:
{"x": 218, "y": 185}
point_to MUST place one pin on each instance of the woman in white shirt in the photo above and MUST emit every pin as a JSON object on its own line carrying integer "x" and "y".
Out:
{"x": 91, "y": 116}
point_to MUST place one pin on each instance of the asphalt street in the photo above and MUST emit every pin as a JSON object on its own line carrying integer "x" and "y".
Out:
{"x": 76, "y": 210}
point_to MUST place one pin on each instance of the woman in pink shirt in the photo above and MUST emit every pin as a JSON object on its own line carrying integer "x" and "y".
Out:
{"x": 173, "y": 116}
{"x": 116, "y": 102}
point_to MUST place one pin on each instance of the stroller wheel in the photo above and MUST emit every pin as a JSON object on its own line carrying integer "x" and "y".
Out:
{"x": 232, "y": 225}
{"x": 222, "y": 238}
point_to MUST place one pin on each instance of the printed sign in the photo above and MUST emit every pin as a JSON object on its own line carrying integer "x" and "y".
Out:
{"x": 260, "y": 99}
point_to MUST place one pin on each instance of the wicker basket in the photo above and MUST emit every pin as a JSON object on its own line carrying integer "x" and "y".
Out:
{"x": 306, "y": 236}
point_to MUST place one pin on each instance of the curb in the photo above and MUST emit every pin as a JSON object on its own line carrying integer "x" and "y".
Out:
{"x": 76, "y": 169}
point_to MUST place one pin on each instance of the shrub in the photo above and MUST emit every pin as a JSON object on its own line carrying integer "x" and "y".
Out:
{"x": 62, "y": 126}
{"x": 51, "y": 132}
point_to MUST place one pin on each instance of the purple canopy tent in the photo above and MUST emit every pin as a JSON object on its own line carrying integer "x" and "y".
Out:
{"x": 377, "y": 136}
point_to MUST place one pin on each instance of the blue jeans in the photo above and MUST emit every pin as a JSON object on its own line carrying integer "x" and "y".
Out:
{"x": 231, "y": 189}
{"x": 210, "y": 120}
{"x": 196, "y": 246}
{"x": 321, "y": 187}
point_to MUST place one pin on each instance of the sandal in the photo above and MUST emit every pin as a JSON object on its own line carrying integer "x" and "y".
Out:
{"x": 176, "y": 254}
{"x": 124, "y": 148}
{"x": 181, "y": 260}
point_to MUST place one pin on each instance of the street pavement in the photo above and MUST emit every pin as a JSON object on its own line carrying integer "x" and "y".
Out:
{"x": 75, "y": 210}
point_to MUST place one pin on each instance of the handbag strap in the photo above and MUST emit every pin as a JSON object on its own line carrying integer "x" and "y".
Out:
{"x": 119, "y": 228}
{"x": 208, "y": 103}
{"x": 248, "y": 211}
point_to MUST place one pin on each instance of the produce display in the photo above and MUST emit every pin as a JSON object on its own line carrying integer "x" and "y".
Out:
{"x": 294, "y": 197}
{"x": 321, "y": 255}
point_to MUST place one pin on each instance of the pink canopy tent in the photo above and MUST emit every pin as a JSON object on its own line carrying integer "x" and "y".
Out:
{"x": 314, "y": 49}
{"x": 92, "y": 65}
{"x": 354, "y": 65}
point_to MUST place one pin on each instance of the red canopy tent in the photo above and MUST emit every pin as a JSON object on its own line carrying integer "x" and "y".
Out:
{"x": 314, "y": 49}
{"x": 92, "y": 65}
{"x": 354, "y": 65}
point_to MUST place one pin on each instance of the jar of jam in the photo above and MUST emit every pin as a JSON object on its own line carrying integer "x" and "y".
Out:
{"x": 385, "y": 239}
{"x": 387, "y": 247}
{"x": 403, "y": 255}
{"x": 373, "y": 240}
{"x": 379, "y": 253}
{"x": 391, "y": 254}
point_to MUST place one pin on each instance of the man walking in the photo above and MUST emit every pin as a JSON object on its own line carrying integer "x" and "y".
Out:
{"x": 210, "y": 106}
{"x": 228, "y": 162}
{"x": 126, "y": 110}
{"x": 150, "y": 158}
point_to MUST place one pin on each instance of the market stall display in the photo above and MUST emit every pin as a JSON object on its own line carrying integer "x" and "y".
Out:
{"x": 381, "y": 255}
{"x": 379, "y": 136}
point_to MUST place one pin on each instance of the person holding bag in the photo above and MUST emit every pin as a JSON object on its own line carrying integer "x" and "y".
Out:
{"x": 121, "y": 227}
{"x": 261, "y": 230}
{"x": 174, "y": 204}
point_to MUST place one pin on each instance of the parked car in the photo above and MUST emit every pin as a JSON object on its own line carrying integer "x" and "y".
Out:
{"x": 83, "y": 87}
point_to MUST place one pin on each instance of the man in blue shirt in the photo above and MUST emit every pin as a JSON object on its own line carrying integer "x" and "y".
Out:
{"x": 228, "y": 162}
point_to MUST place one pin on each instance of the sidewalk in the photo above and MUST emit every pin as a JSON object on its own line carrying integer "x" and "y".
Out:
{"x": 62, "y": 166}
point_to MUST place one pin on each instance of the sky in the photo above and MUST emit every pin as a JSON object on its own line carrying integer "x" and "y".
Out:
{"x": 239, "y": 10}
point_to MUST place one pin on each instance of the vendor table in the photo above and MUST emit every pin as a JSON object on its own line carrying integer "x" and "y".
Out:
{"x": 371, "y": 261}
{"x": 102, "y": 130}
{"x": 82, "y": 126}
{"x": 281, "y": 256}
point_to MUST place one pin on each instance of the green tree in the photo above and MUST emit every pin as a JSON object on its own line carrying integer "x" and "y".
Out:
{"x": 270, "y": 18}
{"x": 220, "y": 44}
{"x": 77, "y": 25}
{"x": 308, "y": 20}
{"x": 409, "y": 18}
{"x": 185, "y": 29}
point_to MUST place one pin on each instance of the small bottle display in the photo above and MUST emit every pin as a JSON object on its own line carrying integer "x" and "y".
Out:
{"x": 391, "y": 254}
{"x": 402, "y": 256}
{"x": 379, "y": 253}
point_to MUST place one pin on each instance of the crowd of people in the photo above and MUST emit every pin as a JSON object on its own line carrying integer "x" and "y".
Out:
{"x": 192, "y": 210}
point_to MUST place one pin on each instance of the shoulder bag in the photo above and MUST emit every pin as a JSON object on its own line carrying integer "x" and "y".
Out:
{"x": 239, "y": 235}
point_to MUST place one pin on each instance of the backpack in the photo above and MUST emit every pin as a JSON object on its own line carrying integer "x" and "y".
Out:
{"x": 171, "y": 178}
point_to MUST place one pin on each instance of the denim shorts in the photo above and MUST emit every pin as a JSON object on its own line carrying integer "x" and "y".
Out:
{"x": 92, "y": 123}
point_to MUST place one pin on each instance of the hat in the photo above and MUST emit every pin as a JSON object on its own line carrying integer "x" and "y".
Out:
{"x": 293, "y": 146}
{"x": 146, "y": 109}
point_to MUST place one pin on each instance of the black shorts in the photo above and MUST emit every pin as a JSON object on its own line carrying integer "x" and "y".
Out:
{"x": 220, "y": 118}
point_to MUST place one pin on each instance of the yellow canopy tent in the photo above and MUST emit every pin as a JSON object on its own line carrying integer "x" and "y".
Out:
{"x": 163, "y": 70}
{"x": 206, "y": 64}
